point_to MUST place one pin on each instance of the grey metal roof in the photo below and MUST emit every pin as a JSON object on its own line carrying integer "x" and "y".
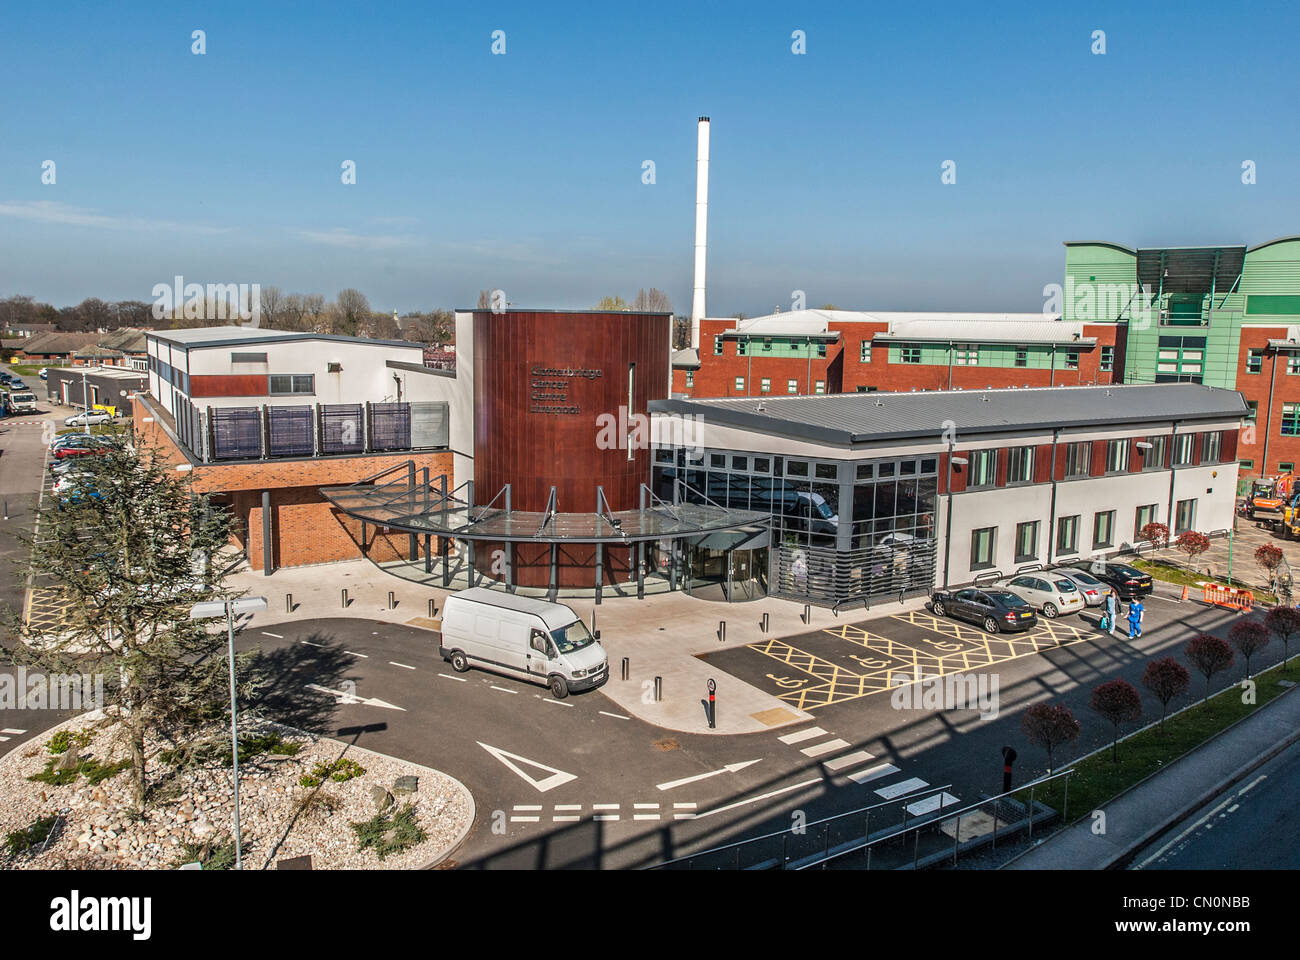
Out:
{"x": 194, "y": 337}
{"x": 855, "y": 418}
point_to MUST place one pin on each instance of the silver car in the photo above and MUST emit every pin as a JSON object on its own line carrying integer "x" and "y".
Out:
{"x": 1048, "y": 591}
{"x": 1093, "y": 590}
{"x": 83, "y": 418}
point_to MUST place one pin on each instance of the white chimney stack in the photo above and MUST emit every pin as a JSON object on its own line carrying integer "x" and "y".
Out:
{"x": 701, "y": 228}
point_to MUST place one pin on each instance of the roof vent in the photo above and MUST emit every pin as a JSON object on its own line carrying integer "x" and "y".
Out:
{"x": 761, "y": 408}
{"x": 984, "y": 397}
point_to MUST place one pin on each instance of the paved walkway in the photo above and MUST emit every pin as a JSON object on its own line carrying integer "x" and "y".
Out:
{"x": 1239, "y": 555}
{"x": 1138, "y": 816}
{"x": 662, "y": 635}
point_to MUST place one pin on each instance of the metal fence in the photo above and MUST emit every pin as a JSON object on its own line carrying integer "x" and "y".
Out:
{"x": 825, "y": 575}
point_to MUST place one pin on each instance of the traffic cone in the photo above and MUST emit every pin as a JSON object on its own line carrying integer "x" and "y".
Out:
{"x": 1184, "y": 591}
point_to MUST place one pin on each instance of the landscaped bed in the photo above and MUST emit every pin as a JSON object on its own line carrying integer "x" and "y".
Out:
{"x": 299, "y": 795}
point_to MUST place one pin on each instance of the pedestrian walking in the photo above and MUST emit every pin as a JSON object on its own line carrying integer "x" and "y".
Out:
{"x": 1135, "y": 612}
{"x": 1110, "y": 619}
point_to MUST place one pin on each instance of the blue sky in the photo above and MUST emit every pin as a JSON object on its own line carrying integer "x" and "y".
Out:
{"x": 523, "y": 171}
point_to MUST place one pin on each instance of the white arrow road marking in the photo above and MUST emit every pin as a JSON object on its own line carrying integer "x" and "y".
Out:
{"x": 729, "y": 768}
{"x": 741, "y": 803}
{"x": 556, "y": 779}
{"x": 351, "y": 698}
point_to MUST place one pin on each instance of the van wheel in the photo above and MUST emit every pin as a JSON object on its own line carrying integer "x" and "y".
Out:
{"x": 559, "y": 689}
{"x": 459, "y": 662}
{"x": 990, "y": 625}
{"x": 1050, "y": 611}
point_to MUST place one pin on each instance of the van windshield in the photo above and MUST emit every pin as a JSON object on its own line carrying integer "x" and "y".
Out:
{"x": 572, "y": 637}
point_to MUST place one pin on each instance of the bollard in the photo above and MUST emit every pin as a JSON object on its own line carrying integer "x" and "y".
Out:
{"x": 392, "y": 600}
{"x": 659, "y": 689}
{"x": 722, "y": 631}
{"x": 627, "y": 667}
{"x": 6, "y": 508}
{"x": 806, "y": 617}
{"x": 763, "y": 626}
{"x": 433, "y": 608}
{"x": 345, "y": 598}
{"x": 288, "y": 603}
{"x": 713, "y": 704}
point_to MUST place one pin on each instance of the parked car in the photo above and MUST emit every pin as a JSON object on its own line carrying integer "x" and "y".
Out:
{"x": 521, "y": 637}
{"x": 87, "y": 416}
{"x": 17, "y": 385}
{"x": 992, "y": 608}
{"x": 91, "y": 448}
{"x": 44, "y": 373}
{"x": 1093, "y": 590}
{"x": 1128, "y": 581}
{"x": 1052, "y": 593}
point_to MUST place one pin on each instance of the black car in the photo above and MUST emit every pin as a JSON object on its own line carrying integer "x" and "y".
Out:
{"x": 1129, "y": 582}
{"x": 993, "y": 608}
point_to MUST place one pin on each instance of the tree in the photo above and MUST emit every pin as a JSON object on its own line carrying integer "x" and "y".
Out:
{"x": 1269, "y": 557}
{"x": 656, "y": 301}
{"x": 131, "y": 551}
{"x": 1048, "y": 726}
{"x": 353, "y": 312}
{"x": 1166, "y": 678}
{"x": 272, "y": 307}
{"x": 828, "y": 306}
{"x": 1119, "y": 702}
{"x": 1155, "y": 533}
{"x": 1283, "y": 623}
{"x": 484, "y": 300}
{"x": 611, "y": 303}
{"x": 1193, "y": 544}
{"x": 1249, "y": 637}
{"x": 1208, "y": 655}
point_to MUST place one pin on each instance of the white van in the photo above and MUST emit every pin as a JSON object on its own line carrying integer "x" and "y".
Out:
{"x": 533, "y": 640}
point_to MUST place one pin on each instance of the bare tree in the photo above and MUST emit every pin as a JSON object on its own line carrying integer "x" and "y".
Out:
{"x": 272, "y": 306}
{"x": 353, "y": 312}
{"x": 315, "y": 313}
{"x": 484, "y": 300}
{"x": 656, "y": 301}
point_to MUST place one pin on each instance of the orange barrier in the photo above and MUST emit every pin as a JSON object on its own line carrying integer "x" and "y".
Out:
{"x": 1233, "y": 597}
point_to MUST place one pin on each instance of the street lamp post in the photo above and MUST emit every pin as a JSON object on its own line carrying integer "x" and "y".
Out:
{"x": 230, "y": 609}
{"x": 85, "y": 404}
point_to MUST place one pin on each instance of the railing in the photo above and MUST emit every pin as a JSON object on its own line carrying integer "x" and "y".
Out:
{"x": 760, "y": 853}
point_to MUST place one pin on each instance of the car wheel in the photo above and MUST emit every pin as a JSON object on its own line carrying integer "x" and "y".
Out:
{"x": 938, "y": 608}
{"x": 990, "y": 625}
{"x": 459, "y": 662}
{"x": 559, "y": 689}
{"x": 1050, "y": 611}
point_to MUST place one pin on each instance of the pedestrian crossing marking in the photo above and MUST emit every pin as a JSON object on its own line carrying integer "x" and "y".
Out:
{"x": 902, "y": 787}
{"x": 817, "y": 749}
{"x": 848, "y": 760}
{"x": 930, "y": 804}
{"x": 873, "y": 773}
{"x": 800, "y": 735}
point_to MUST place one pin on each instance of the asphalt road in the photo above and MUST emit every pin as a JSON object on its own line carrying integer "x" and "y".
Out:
{"x": 1250, "y": 827}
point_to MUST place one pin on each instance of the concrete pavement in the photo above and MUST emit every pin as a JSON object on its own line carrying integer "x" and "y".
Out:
{"x": 1144, "y": 811}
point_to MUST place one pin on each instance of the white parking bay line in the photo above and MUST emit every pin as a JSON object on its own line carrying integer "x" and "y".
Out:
{"x": 748, "y": 800}
{"x": 558, "y": 703}
{"x": 525, "y": 819}
{"x": 363, "y": 656}
{"x": 504, "y": 690}
{"x": 817, "y": 749}
{"x": 267, "y": 633}
{"x": 604, "y": 806}
{"x": 11, "y": 730}
{"x": 801, "y": 735}
{"x": 873, "y": 773}
{"x": 310, "y": 644}
{"x": 848, "y": 760}
{"x": 450, "y": 677}
{"x": 402, "y": 665}
{"x": 524, "y": 807}
{"x": 616, "y": 716}
{"x": 568, "y": 806}
{"x": 902, "y": 787}
{"x": 931, "y": 804}
{"x": 566, "y": 818}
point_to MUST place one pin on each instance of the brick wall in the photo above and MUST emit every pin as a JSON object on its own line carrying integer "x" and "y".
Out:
{"x": 1255, "y": 387}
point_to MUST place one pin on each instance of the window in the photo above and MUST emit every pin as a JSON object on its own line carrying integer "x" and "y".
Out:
{"x": 983, "y": 468}
{"x": 740, "y": 463}
{"x": 1103, "y": 529}
{"x": 1286, "y": 468}
{"x": 826, "y": 471}
{"x": 248, "y": 358}
{"x": 1211, "y": 446}
{"x": 864, "y": 352}
{"x": 1067, "y": 534}
{"x": 1078, "y": 458}
{"x": 1291, "y": 419}
{"x": 983, "y": 542}
{"x": 1022, "y": 358}
{"x": 717, "y": 346}
{"x": 767, "y": 345}
{"x": 1180, "y": 359}
{"x": 1183, "y": 449}
{"x": 1254, "y": 361}
{"x": 1026, "y": 541}
{"x": 740, "y": 383}
{"x": 1143, "y": 516}
{"x": 966, "y": 354}
{"x": 1072, "y": 360}
{"x": 1184, "y": 516}
{"x": 765, "y": 385}
{"x": 283, "y": 384}
{"x": 1293, "y": 363}
{"x": 820, "y": 387}
{"x": 1020, "y": 465}
{"x": 1246, "y": 464}
{"x": 910, "y": 354}
{"x": 821, "y": 349}
{"x": 1107, "y": 362}
{"x": 796, "y": 468}
{"x": 864, "y": 471}
{"x": 792, "y": 386}
{"x": 1116, "y": 456}
{"x": 1154, "y": 459}
{"x": 718, "y": 460}
{"x": 742, "y": 347}
{"x": 690, "y": 378}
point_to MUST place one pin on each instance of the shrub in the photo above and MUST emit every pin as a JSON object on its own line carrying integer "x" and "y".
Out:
{"x": 1284, "y": 623}
{"x": 65, "y": 739}
{"x": 34, "y": 834}
{"x": 339, "y": 771}
{"x": 1209, "y": 655}
{"x": 1249, "y": 637}
{"x": 1048, "y": 725}
{"x": 218, "y": 854}
{"x": 388, "y": 833}
{"x": 91, "y": 769}
{"x": 1119, "y": 702}
{"x": 1166, "y": 679}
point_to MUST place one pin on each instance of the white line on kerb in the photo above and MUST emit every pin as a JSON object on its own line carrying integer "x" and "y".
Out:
{"x": 616, "y": 716}
{"x": 267, "y": 633}
{"x": 402, "y": 665}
